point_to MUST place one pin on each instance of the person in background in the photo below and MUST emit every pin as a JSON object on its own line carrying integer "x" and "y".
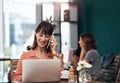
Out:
{"x": 90, "y": 54}
{"x": 44, "y": 47}
{"x": 28, "y": 48}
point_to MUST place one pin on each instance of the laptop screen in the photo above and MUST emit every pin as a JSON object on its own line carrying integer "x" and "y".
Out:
{"x": 41, "y": 70}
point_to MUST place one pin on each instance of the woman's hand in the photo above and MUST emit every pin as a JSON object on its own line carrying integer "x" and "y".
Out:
{"x": 83, "y": 51}
{"x": 75, "y": 60}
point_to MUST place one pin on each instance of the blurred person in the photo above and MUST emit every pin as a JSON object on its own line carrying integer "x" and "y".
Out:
{"x": 90, "y": 54}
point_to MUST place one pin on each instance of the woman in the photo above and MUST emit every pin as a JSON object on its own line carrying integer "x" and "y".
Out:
{"x": 44, "y": 47}
{"x": 89, "y": 53}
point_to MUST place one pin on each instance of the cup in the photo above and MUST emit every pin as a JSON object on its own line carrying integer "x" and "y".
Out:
{"x": 73, "y": 80}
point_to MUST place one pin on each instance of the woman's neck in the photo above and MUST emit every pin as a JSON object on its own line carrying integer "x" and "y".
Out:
{"x": 40, "y": 52}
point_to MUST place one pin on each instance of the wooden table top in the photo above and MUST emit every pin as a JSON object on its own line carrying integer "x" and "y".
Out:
{"x": 66, "y": 81}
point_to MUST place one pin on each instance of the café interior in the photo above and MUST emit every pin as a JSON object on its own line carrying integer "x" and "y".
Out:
{"x": 19, "y": 18}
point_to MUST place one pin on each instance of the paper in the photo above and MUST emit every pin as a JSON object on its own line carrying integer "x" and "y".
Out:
{"x": 65, "y": 74}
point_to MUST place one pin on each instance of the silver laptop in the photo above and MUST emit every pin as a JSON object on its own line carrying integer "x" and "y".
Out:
{"x": 41, "y": 70}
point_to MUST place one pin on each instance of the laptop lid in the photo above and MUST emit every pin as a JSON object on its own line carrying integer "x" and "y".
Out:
{"x": 41, "y": 70}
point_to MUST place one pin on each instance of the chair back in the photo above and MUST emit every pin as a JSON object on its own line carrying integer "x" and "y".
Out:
{"x": 13, "y": 66}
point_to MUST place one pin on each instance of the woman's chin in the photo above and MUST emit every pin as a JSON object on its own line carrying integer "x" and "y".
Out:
{"x": 42, "y": 46}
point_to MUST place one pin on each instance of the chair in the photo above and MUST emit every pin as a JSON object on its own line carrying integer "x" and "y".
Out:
{"x": 13, "y": 66}
{"x": 110, "y": 72}
{"x": 118, "y": 77}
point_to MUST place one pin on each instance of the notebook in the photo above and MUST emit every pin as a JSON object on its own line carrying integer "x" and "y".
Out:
{"x": 41, "y": 70}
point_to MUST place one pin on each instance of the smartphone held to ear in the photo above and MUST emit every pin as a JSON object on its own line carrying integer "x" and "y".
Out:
{"x": 48, "y": 44}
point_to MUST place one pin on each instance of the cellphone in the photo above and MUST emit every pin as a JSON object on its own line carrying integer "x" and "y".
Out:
{"x": 48, "y": 44}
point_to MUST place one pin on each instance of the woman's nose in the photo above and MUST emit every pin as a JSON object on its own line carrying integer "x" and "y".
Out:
{"x": 43, "y": 37}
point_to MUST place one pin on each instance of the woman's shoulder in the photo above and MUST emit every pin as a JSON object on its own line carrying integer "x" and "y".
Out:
{"x": 93, "y": 51}
{"x": 27, "y": 53}
{"x": 92, "y": 54}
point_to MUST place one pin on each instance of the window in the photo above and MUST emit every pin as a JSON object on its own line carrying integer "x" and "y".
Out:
{"x": 19, "y": 24}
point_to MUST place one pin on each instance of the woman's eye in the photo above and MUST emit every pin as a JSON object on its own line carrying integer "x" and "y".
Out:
{"x": 47, "y": 36}
{"x": 40, "y": 35}
{"x": 43, "y": 35}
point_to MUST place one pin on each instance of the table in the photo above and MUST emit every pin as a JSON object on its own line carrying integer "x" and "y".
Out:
{"x": 66, "y": 81}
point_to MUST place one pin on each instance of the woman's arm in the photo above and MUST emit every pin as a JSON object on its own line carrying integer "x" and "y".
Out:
{"x": 18, "y": 73}
{"x": 82, "y": 54}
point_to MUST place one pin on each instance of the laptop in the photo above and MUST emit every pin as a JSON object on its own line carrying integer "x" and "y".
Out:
{"x": 41, "y": 70}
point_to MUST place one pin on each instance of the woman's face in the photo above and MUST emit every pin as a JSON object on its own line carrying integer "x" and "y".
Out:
{"x": 81, "y": 43}
{"x": 42, "y": 39}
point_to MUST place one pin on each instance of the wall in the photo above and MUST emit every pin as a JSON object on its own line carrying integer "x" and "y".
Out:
{"x": 102, "y": 19}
